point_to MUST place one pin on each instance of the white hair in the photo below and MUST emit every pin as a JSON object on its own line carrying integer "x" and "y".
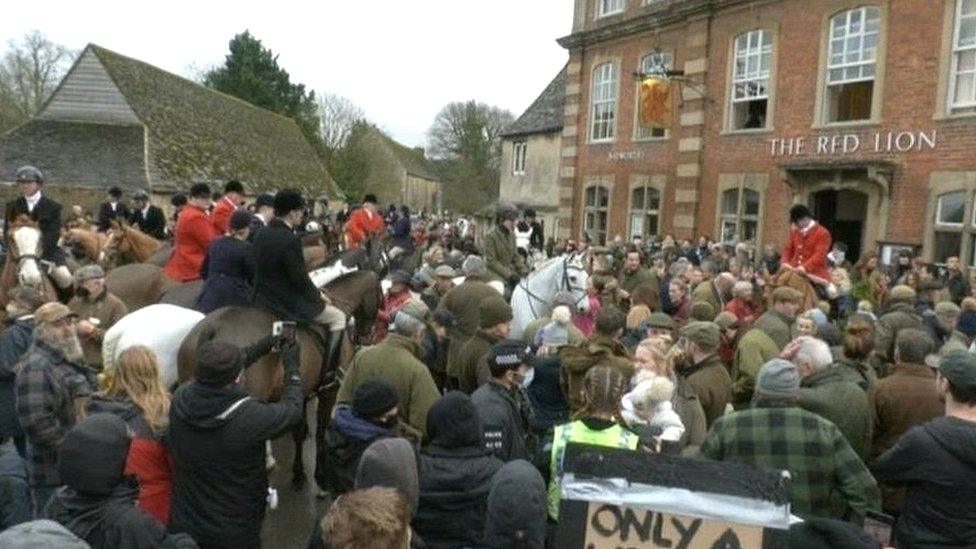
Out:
{"x": 742, "y": 286}
{"x": 814, "y": 352}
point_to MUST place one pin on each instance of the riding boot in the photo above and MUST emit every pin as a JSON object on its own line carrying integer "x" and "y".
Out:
{"x": 330, "y": 361}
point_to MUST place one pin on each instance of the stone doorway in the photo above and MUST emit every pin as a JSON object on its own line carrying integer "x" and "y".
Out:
{"x": 844, "y": 214}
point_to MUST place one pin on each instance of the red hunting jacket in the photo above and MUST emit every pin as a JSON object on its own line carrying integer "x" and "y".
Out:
{"x": 361, "y": 224}
{"x": 809, "y": 250}
{"x": 220, "y": 218}
{"x": 194, "y": 232}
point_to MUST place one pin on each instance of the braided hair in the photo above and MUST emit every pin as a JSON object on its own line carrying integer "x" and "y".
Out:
{"x": 603, "y": 387}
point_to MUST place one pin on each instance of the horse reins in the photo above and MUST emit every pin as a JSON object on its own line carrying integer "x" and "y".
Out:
{"x": 566, "y": 285}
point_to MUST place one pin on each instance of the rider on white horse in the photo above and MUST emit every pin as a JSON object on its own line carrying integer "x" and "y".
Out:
{"x": 47, "y": 214}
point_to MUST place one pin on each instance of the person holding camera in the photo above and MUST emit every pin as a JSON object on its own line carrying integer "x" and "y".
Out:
{"x": 217, "y": 436}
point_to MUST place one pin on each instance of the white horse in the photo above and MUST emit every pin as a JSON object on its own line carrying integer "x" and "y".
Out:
{"x": 532, "y": 297}
{"x": 160, "y": 327}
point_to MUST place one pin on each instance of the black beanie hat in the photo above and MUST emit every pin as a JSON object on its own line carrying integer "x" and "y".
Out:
{"x": 374, "y": 398}
{"x": 218, "y": 363}
{"x": 200, "y": 190}
{"x": 92, "y": 457}
{"x": 287, "y": 201}
{"x": 453, "y": 422}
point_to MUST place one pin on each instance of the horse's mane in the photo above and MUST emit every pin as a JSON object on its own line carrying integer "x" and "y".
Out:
{"x": 140, "y": 237}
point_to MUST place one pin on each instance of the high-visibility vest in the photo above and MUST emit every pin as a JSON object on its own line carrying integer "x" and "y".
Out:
{"x": 577, "y": 431}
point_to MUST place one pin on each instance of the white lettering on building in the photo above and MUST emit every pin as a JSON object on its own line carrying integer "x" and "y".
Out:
{"x": 852, "y": 143}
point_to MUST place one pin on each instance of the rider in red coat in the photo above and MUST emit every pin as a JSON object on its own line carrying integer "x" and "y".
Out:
{"x": 363, "y": 222}
{"x": 225, "y": 207}
{"x": 809, "y": 244}
{"x": 193, "y": 234}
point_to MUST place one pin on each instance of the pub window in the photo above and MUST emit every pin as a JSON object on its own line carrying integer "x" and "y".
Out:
{"x": 654, "y": 63}
{"x": 596, "y": 203}
{"x": 604, "y": 102}
{"x": 852, "y": 64}
{"x": 950, "y": 225}
{"x": 962, "y": 94}
{"x": 750, "y": 79}
{"x": 519, "y": 148}
{"x": 645, "y": 211}
{"x": 609, "y": 7}
{"x": 740, "y": 216}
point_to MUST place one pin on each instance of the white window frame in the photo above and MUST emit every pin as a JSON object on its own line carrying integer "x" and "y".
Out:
{"x": 519, "y": 149}
{"x": 957, "y": 52}
{"x": 606, "y": 8}
{"x": 603, "y": 111}
{"x": 863, "y": 62}
{"x": 756, "y": 82}
{"x": 667, "y": 65}
{"x": 739, "y": 217}
{"x": 644, "y": 211}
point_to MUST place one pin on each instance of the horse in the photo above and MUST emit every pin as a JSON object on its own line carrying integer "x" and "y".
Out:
{"x": 138, "y": 284}
{"x": 86, "y": 240}
{"x": 796, "y": 280}
{"x": 532, "y": 297}
{"x": 357, "y": 294}
{"x": 23, "y": 265}
{"x": 160, "y": 327}
{"x": 133, "y": 245}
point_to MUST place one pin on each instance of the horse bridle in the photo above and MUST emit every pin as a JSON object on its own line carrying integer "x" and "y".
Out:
{"x": 566, "y": 284}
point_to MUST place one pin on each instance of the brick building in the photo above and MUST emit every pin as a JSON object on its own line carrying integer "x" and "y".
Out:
{"x": 863, "y": 109}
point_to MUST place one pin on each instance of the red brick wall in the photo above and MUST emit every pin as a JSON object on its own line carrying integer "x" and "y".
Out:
{"x": 914, "y": 50}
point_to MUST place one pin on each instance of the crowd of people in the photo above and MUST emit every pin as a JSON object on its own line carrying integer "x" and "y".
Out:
{"x": 449, "y": 429}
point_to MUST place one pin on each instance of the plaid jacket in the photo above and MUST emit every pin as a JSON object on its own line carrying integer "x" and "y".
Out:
{"x": 47, "y": 387}
{"x": 828, "y": 479}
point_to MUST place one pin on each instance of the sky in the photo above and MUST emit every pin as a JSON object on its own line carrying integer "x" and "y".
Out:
{"x": 400, "y": 61}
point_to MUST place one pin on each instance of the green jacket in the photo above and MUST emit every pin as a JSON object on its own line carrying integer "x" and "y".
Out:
{"x": 778, "y": 328}
{"x": 828, "y": 479}
{"x": 755, "y": 349}
{"x": 575, "y": 361}
{"x": 861, "y": 373}
{"x": 395, "y": 360}
{"x": 706, "y": 292}
{"x": 532, "y": 329}
{"x": 710, "y": 381}
{"x": 829, "y": 395}
{"x": 501, "y": 254}
{"x": 630, "y": 281}
{"x": 900, "y": 316}
{"x": 473, "y": 352}
{"x": 462, "y": 301}
{"x": 957, "y": 341}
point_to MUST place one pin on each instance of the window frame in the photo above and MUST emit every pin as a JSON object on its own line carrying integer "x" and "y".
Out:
{"x": 733, "y": 80}
{"x": 955, "y": 53}
{"x": 822, "y": 102}
{"x": 596, "y": 209}
{"x": 600, "y": 13}
{"x": 655, "y": 183}
{"x": 638, "y": 127}
{"x": 740, "y": 183}
{"x": 612, "y": 82}
{"x": 519, "y": 150}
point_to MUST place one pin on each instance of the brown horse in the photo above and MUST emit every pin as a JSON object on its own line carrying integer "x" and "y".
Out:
{"x": 794, "y": 279}
{"x": 129, "y": 243}
{"x": 23, "y": 264}
{"x": 87, "y": 240}
{"x": 138, "y": 284}
{"x": 357, "y": 294}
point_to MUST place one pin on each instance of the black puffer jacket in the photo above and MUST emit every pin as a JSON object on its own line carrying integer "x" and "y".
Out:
{"x": 216, "y": 436}
{"x": 940, "y": 504}
{"x": 455, "y": 476}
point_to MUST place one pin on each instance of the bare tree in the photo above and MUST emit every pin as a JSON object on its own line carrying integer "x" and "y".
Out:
{"x": 29, "y": 71}
{"x": 338, "y": 115}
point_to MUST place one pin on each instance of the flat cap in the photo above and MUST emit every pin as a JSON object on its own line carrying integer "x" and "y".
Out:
{"x": 659, "y": 320}
{"x": 726, "y": 320}
{"x": 959, "y": 367}
{"x": 52, "y": 312}
{"x": 702, "y": 310}
{"x": 88, "y": 272}
{"x": 947, "y": 308}
{"x": 704, "y": 334}
{"x": 901, "y": 293}
{"x": 445, "y": 271}
{"x": 785, "y": 293}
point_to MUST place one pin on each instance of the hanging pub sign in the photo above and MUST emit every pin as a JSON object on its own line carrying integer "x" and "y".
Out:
{"x": 655, "y": 103}
{"x": 618, "y": 499}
